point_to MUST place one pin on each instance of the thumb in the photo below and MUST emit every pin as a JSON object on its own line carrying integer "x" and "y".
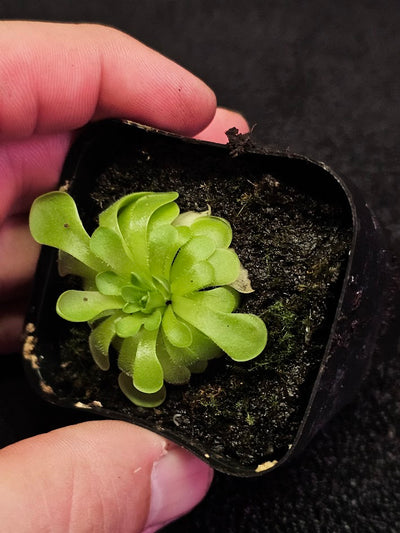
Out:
{"x": 104, "y": 476}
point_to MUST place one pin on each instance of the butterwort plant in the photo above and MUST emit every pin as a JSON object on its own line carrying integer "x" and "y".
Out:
{"x": 157, "y": 285}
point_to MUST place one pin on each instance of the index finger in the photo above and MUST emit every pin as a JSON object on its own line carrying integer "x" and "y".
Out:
{"x": 57, "y": 77}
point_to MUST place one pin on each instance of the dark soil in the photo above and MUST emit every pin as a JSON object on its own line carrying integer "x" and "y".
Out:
{"x": 291, "y": 233}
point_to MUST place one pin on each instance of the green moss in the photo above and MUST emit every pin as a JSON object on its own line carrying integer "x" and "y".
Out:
{"x": 285, "y": 328}
{"x": 250, "y": 419}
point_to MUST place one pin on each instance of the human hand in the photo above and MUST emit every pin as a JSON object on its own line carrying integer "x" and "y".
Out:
{"x": 96, "y": 476}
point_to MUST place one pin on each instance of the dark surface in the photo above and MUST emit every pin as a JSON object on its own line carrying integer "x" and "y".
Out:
{"x": 322, "y": 80}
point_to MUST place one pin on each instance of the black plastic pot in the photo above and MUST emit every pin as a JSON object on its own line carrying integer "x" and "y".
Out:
{"x": 345, "y": 341}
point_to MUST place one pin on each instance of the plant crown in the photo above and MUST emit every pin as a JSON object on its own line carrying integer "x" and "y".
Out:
{"x": 156, "y": 286}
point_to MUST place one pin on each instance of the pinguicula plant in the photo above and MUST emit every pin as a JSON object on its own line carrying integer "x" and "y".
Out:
{"x": 157, "y": 285}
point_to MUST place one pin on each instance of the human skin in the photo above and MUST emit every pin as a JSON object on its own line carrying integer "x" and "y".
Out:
{"x": 104, "y": 476}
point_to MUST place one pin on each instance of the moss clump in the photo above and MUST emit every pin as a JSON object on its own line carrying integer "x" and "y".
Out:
{"x": 285, "y": 327}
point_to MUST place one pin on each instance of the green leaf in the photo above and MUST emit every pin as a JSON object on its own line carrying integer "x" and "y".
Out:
{"x": 133, "y": 294}
{"x": 69, "y": 265}
{"x": 141, "y": 282}
{"x": 155, "y": 299}
{"x": 222, "y": 299}
{"x": 110, "y": 283}
{"x": 187, "y": 218}
{"x": 108, "y": 246}
{"x": 179, "y": 356}
{"x": 147, "y": 371}
{"x": 164, "y": 215}
{"x": 177, "y": 332}
{"x": 127, "y": 354}
{"x": 197, "y": 250}
{"x": 139, "y": 398}
{"x": 173, "y": 373}
{"x": 100, "y": 340}
{"x": 129, "y": 325}
{"x": 226, "y": 266}
{"x": 133, "y": 222}
{"x": 164, "y": 243}
{"x": 241, "y": 336}
{"x": 153, "y": 321}
{"x": 199, "y": 276}
{"x": 82, "y": 306}
{"x": 202, "y": 347}
{"x": 109, "y": 217}
{"x": 131, "y": 308}
{"x": 218, "y": 229}
{"x": 54, "y": 220}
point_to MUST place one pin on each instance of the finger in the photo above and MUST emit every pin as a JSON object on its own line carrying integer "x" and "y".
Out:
{"x": 21, "y": 253}
{"x": 29, "y": 168}
{"x": 98, "y": 476}
{"x": 16, "y": 273}
{"x": 11, "y": 326}
{"x": 223, "y": 120}
{"x": 57, "y": 77}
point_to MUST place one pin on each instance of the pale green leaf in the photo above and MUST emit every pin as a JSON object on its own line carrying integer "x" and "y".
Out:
{"x": 164, "y": 243}
{"x": 69, "y": 265}
{"x": 226, "y": 266}
{"x": 179, "y": 356}
{"x": 133, "y": 222}
{"x": 173, "y": 373}
{"x": 197, "y": 250}
{"x": 218, "y": 229}
{"x": 164, "y": 215}
{"x": 155, "y": 299}
{"x": 199, "y": 276}
{"x": 241, "y": 336}
{"x": 127, "y": 354}
{"x": 82, "y": 306}
{"x": 133, "y": 294}
{"x": 202, "y": 347}
{"x": 110, "y": 283}
{"x": 222, "y": 299}
{"x": 109, "y": 217}
{"x": 100, "y": 340}
{"x": 131, "y": 308}
{"x": 188, "y": 217}
{"x": 54, "y": 221}
{"x": 140, "y": 281}
{"x": 109, "y": 246}
{"x": 140, "y": 398}
{"x": 153, "y": 321}
{"x": 178, "y": 333}
{"x": 147, "y": 371}
{"x": 129, "y": 325}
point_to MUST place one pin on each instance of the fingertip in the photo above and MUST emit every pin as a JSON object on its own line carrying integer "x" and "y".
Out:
{"x": 223, "y": 120}
{"x": 152, "y": 89}
{"x": 179, "y": 481}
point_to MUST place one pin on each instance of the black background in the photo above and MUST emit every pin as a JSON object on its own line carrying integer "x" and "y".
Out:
{"x": 323, "y": 79}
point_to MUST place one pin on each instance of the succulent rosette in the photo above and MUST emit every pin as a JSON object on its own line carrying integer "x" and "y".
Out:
{"x": 156, "y": 285}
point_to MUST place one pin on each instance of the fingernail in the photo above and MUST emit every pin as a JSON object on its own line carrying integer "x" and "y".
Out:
{"x": 179, "y": 481}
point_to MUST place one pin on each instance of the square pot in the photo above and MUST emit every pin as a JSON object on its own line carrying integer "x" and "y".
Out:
{"x": 316, "y": 260}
